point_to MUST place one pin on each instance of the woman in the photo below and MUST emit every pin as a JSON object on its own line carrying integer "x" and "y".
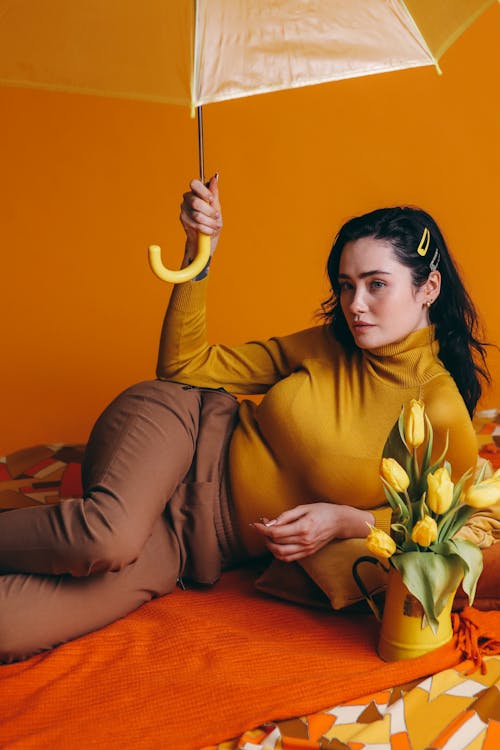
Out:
{"x": 181, "y": 482}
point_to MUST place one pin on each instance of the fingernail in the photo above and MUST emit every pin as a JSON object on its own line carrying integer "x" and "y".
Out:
{"x": 270, "y": 523}
{"x": 216, "y": 175}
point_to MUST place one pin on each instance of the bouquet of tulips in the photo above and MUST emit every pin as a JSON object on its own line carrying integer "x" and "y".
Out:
{"x": 428, "y": 511}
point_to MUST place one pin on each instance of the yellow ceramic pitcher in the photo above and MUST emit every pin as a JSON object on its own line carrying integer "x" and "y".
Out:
{"x": 405, "y": 633}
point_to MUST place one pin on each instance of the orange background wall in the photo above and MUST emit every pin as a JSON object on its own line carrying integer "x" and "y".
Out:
{"x": 88, "y": 183}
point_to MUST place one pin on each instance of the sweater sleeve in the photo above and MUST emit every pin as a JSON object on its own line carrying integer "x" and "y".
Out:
{"x": 249, "y": 368}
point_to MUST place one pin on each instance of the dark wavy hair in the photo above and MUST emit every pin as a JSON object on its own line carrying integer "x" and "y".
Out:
{"x": 458, "y": 331}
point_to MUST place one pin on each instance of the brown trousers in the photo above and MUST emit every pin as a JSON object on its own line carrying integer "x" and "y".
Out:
{"x": 155, "y": 508}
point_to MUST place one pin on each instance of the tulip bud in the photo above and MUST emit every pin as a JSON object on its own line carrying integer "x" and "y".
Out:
{"x": 425, "y": 531}
{"x": 380, "y": 544}
{"x": 414, "y": 424}
{"x": 484, "y": 494}
{"x": 439, "y": 490}
{"x": 394, "y": 474}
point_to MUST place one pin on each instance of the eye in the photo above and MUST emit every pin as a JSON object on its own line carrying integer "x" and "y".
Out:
{"x": 377, "y": 284}
{"x": 345, "y": 286}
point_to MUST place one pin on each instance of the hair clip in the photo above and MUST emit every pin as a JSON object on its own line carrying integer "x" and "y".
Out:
{"x": 435, "y": 261}
{"x": 424, "y": 242}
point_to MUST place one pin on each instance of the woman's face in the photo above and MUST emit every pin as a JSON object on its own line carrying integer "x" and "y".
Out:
{"x": 380, "y": 303}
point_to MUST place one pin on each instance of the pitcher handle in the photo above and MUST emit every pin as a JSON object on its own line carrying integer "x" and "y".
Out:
{"x": 361, "y": 586}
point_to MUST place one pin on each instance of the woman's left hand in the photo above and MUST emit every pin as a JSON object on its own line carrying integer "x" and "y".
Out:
{"x": 303, "y": 530}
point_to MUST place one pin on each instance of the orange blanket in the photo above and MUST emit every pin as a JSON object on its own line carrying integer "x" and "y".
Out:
{"x": 197, "y": 667}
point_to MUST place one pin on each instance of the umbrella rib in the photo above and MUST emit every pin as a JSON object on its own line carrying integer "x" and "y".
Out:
{"x": 423, "y": 41}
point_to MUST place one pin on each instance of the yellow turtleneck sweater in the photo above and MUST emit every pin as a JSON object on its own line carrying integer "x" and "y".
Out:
{"x": 319, "y": 432}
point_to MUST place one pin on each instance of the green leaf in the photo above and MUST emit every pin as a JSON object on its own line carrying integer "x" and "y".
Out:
{"x": 472, "y": 559}
{"x": 409, "y": 546}
{"x": 431, "y": 578}
{"x": 395, "y": 446}
{"x": 450, "y": 526}
{"x": 395, "y": 500}
{"x": 443, "y": 548}
{"x": 401, "y": 428}
{"x": 457, "y": 491}
{"x": 455, "y": 517}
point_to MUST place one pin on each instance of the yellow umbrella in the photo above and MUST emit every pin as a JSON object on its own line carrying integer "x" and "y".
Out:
{"x": 196, "y": 52}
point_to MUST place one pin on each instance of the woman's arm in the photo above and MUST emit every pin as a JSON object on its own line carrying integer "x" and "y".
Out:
{"x": 185, "y": 354}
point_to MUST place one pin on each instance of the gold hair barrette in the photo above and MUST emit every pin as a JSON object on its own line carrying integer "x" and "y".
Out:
{"x": 424, "y": 242}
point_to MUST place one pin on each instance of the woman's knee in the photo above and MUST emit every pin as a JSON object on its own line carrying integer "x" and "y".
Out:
{"x": 105, "y": 548}
{"x": 109, "y": 552}
{"x": 92, "y": 536}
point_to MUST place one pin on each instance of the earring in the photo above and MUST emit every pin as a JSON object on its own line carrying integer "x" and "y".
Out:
{"x": 428, "y": 304}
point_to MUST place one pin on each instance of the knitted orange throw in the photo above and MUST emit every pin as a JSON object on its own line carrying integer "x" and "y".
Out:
{"x": 197, "y": 667}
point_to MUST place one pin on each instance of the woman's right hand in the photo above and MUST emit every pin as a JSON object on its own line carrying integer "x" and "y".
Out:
{"x": 201, "y": 212}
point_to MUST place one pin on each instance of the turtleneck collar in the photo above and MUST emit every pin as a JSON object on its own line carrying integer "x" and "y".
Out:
{"x": 412, "y": 361}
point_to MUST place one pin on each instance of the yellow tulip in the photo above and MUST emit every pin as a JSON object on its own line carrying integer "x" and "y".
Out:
{"x": 394, "y": 474}
{"x": 425, "y": 531}
{"x": 439, "y": 490}
{"x": 380, "y": 544}
{"x": 484, "y": 494}
{"x": 414, "y": 424}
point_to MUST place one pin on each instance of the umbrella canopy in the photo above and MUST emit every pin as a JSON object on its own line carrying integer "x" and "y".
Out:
{"x": 195, "y": 52}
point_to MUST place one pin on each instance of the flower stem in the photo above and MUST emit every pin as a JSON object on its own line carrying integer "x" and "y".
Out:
{"x": 416, "y": 467}
{"x": 408, "y": 505}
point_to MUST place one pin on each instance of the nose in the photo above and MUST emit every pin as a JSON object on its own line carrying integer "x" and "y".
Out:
{"x": 358, "y": 304}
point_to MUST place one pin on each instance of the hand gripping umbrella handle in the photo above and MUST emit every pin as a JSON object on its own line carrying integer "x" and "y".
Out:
{"x": 184, "y": 274}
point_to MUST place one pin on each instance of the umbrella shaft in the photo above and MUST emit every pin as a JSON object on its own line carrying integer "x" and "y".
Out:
{"x": 199, "y": 113}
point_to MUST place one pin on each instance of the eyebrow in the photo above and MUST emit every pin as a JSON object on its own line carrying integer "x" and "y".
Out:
{"x": 365, "y": 274}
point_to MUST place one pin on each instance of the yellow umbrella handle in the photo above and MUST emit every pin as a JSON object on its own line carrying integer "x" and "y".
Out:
{"x": 184, "y": 274}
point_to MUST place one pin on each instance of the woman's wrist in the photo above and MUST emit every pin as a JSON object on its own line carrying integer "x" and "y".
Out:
{"x": 190, "y": 252}
{"x": 355, "y": 522}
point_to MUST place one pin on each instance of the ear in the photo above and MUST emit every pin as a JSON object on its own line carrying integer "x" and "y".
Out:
{"x": 432, "y": 286}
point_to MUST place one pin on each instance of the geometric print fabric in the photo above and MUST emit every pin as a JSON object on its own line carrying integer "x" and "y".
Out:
{"x": 40, "y": 475}
{"x": 450, "y": 710}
